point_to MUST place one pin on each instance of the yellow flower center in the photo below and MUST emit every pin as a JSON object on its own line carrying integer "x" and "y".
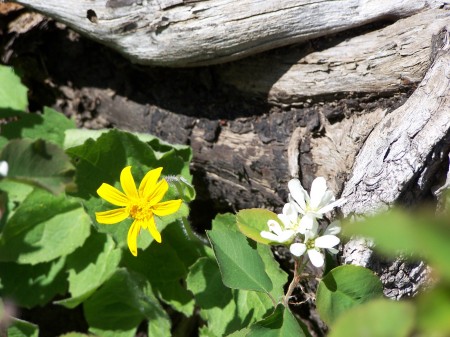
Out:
{"x": 310, "y": 244}
{"x": 140, "y": 211}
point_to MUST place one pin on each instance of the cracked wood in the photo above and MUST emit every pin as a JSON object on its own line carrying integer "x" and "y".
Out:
{"x": 191, "y": 33}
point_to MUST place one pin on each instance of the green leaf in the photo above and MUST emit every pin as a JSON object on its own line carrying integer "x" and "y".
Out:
{"x": 51, "y": 126}
{"x": 343, "y": 288}
{"x": 280, "y": 324}
{"x": 43, "y": 228}
{"x": 38, "y": 163}
{"x": 75, "y": 334}
{"x": 278, "y": 277}
{"x": 20, "y": 328}
{"x": 118, "y": 307}
{"x": 433, "y": 312}
{"x": 30, "y": 286}
{"x": 252, "y": 221}
{"x": 89, "y": 267}
{"x": 240, "y": 264}
{"x": 16, "y": 193}
{"x": 13, "y": 94}
{"x": 166, "y": 274}
{"x": 215, "y": 300}
{"x": 424, "y": 235}
{"x": 377, "y": 318}
{"x": 240, "y": 333}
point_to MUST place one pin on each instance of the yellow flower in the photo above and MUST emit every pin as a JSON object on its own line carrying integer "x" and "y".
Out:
{"x": 140, "y": 204}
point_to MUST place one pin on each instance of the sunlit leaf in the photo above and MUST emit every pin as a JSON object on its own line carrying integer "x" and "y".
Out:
{"x": 240, "y": 264}
{"x": 423, "y": 235}
{"x": 43, "y": 228}
{"x": 252, "y": 221}
{"x": 378, "y": 318}
{"x": 13, "y": 94}
{"x": 343, "y": 288}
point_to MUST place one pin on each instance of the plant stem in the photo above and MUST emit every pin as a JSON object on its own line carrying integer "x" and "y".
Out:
{"x": 298, "y": 267}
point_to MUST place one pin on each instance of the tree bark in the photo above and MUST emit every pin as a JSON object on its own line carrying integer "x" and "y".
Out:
{"x": 200, "y": 32}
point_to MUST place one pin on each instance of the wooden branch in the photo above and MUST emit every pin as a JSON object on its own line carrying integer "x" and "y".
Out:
{"x": 199, "y": 32}
{"x": 382, "y": 61}
{"x": 404, "y": 148}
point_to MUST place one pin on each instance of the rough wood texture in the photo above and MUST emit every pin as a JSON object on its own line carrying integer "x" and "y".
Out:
{"x": 399, "y": 161}
{"x": 383, "y": 61}
{"x": 195, "y": 32}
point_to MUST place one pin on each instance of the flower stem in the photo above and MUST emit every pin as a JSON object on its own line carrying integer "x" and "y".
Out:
{"x": 298, "y": 267}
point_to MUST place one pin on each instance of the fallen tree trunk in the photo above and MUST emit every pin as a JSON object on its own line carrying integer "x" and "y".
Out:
{"x": 400, "y": 161}
{"x": 383, "y": 61}
{"x": 200, "y": 32}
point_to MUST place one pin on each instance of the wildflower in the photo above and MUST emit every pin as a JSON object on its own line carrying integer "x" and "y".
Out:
{"x": 313, "y": 244}
{"x": 140, "y": 204}
{"x": 314, "y": 205}
{"x": 289, "y": 219}
{"x": 3, "y": 168}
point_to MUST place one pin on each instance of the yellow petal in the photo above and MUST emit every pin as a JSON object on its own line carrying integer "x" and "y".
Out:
{"x": 158, "y": 192}
{"x": 128, "y": 184}
{"x": 111, "y": 217}
{"x": 149, "y": 181}
{"x": 151, "y": 226}
{"x": 112, "y": 195}
{"x": 133, "y": 233}
{"x": 167, "y": 207}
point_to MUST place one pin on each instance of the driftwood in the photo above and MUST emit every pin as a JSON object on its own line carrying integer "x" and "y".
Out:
{"x": 400, "y": 160}
{"x": 199, "y": 32}
{"x": 382, "y": 61}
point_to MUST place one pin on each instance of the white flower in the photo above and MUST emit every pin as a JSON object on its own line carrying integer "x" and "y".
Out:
{"x": 277, "y": 234}
{"x": 314, "y": 205}
{"x": 314, "y": 245}
{"x": 3, "y": 168}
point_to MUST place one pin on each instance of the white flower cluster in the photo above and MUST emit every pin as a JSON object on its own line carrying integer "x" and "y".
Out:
{"x": 299, "y": 227}
{"x": 3, "y": 168}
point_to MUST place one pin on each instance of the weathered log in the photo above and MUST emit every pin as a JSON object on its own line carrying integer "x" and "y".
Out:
{"x": 199, "y": 32}
{"x": 400, "y": 160}
{"x": 382, "y": 61}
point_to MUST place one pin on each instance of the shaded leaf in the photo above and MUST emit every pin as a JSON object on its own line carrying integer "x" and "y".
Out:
{"x": 20, "y": 328}
{"x": 280, "y": 323}
{"x": 117, "y": 308}
{"x": 31, "y": 286}
{"x": 38, "y": 163}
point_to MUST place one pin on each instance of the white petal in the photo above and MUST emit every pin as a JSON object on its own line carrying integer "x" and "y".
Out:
{"x": 329, "y": 207}
{"x": 285, "y": 220}
{"x": 298, "y": 193}
{"x": 4, "y": 168}
{"x": 290, "y": 211}
{"x": 295, "y": 205}
{"x": 269, "y": 236}
{"x": 307, "y": 223}
{"x": 327, "y": 198}
{"x": 274, "y": 226}
{"x": 286, "y": 236}
{"x": 297, "y": 249}
{"x": 333, "y": 250}
{"x": 333, "y": 228}
{"x": 316, "y": 257}
{"x": 318, "y": 189}
{"x": 327, "y": 241}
